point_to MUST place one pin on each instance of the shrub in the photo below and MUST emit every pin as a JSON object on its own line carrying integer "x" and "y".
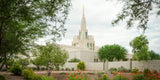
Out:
{"x": 134, "y": 70}
{"x": 122, "y": 69}
{"x": 146, "y": 70}
{"x": 67, "y": 69}
{"x": 23, "y": 62}
{"x": 47, "y": 78}
{"x": 34, "y": 77}
{"x": 120, "y": 77}
{"x": 104, "y": 77}
{"x": 81, "y": 66}
{"x": 74, "y": 60}
{"x": 76, "y": 77}
{"x": 26, "y": 73}
{"x": 139, "y": 77}
{"x": 100, "y": 73}
{"x": 2, "y": 77}
{"x": 112, "y": 69}
{"x": 16, "y": 69}
{"x": 72, "y": 69}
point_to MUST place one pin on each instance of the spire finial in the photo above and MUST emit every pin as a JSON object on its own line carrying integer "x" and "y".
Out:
{"x": 83, "y": 10}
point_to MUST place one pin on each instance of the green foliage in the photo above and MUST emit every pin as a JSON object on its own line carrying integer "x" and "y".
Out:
{"x": 23, "y": 62}
{"x": 105, "y": 77}
{"x": 137, "y": 11}
{"x": 37, "y": 61}
{"x": 34, "y": 77}
{"x": 72, "y": 69}
{"x": 10, "y": 62}
{"x": 51, "y": 55}
{"x": 135, "y": 70}
{"x": 74, "y": 60}
{"x": 146, "y": 70}
{"x": 109, "y": 52}
{"x": 76, "y": 77}
{"x": 24, "y": 21}
{"x": 139, "y": 77}
{"x": 67, "y": 69}
{"x": 81, "y": 66}
{"x": 120, "y": 77}
{"x": 153, "y": 55}
{"x": 47, "y": 78}
{"x": 113, "y": 70}
{"x": 122, "y": 69}
{"x": 2, "y": 77}
{"x": 27, "y": 73}
{"x": 140, "y": 48}
{"x": 16, "y": 69}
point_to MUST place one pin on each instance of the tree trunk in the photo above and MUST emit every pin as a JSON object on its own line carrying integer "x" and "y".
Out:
{"x": 104, "y": 65}
{"x": 2, "y": 66}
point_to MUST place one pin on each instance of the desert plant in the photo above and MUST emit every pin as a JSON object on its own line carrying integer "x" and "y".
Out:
{"x": 47, "y": 78}
{"x": 120, "y": 77}
{"x": 139, "y": 77}
{"x": 26, "y": 73}
{"x": 105, "y": 77}
{"x": 34, "y": 77}
{"x": 2, "y": 77}
{"x": 122, "y": 69}
{"x": 81, "y": 66}
{"x": 135, "y": 70}
{"x": 16, "y": 69}
{"x": 74, "y": 60}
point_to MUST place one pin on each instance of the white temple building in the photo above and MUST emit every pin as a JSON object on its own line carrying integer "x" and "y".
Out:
{"x": 83, "y": 45}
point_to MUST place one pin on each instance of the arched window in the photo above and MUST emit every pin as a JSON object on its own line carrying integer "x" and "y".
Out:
{"x": 86, "y": 35}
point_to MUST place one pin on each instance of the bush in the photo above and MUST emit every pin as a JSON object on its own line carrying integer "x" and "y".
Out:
{"x": 112, "y": 69}
{"x": 72, "y": 69}
{"x": 74, "y": 60}
{"x": 104, "y": 77}
{"x": 67, "y": 69}
{"x": 122, "y": 69}
{"x": 23, "y": 62}
{"x": 26, "y": 73}
{"x": 16, "y": 69}
{"x": 81, "y": 66}
{"x": 2, "y": 77}
{"x": 76, "y": 77}
{"x": 135, "y": 70}
{"x": 120, "y": 77}
{"x": 146, "y": 70}
{"x": 139, "y": 77}
{"x": 34, "y": 77}
{"x": 47, "y": 78}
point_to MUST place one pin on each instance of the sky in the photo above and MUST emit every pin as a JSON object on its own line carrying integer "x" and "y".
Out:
{"x": 99, "y": 14}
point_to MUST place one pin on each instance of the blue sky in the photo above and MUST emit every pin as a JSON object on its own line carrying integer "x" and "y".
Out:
{"x": 99, "y": 14}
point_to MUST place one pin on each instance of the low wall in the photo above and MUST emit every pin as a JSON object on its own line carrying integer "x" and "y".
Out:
{"x": 151, "y": 64}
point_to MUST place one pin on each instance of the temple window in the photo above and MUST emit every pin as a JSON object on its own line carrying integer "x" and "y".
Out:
{"x": 79, "y": 35}
{"x": 86, "y": 35}
{"x": 90, "y": 45}
{"x": 87, "y": 45}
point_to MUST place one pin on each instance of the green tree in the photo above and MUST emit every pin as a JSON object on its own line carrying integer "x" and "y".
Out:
{"x": 37, "y": 62}
{"x": 23, "y": 62}
{"x": 74, "y": 60}
{"x": 140, "y": 48}
{"x": 51, "y": 55}
{"x": 109, "y": 52}
{"x": 137, "y": 11}
{"x": 153, "y": 55}
{"x": 23, "y": 21}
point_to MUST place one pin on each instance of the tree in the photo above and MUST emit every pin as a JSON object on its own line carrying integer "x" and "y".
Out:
{"x": 109, "y": 52}
{"x": 37, "y": 62}
{"x": 74, "y": 60}
{"x": 51, "y": 55}
{"x": 24, "y": 21}
{"x": 153, "y": 55}
{"x": 137, "y": 11}
{"x": 23, "y": 62}
{"x": 140, "y": 48}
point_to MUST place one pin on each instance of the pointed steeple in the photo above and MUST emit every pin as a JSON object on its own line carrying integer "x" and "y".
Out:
{"x": 83, "y": 21}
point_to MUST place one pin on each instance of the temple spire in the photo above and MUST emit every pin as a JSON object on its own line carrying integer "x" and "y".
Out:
{"x": 83, "y": 10}
{"x": 83, "y": 21}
